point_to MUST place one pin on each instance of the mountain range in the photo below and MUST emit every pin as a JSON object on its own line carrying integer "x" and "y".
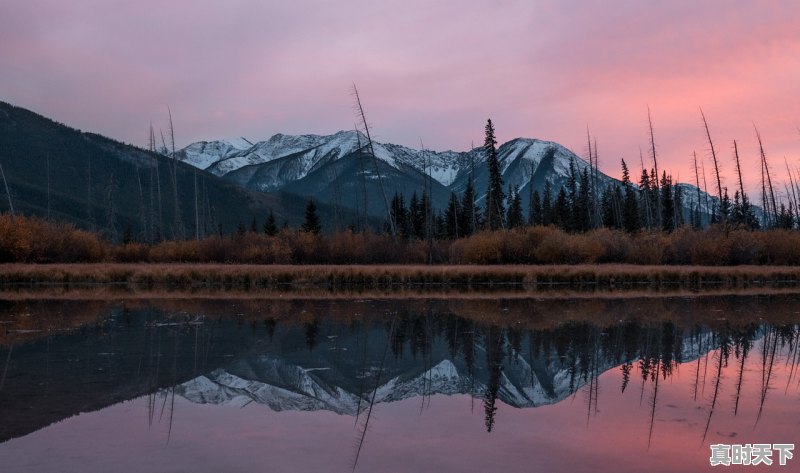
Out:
{"x": 55, "y": 171}
{"x": 337, "y": 168}
{"x": 58, "y": 172}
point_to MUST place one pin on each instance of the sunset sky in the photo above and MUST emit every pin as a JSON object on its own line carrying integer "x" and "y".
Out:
{"x": 426, "y": 70}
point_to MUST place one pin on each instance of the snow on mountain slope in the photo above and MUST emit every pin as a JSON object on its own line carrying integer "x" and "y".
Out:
{"x": 204, "y": 153}
{"x": 223, "y": 157}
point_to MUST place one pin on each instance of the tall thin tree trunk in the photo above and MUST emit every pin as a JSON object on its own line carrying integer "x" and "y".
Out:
{"x": 89, "y": 213}
{"x": 363, "y": 183}
{"x": 739, "y": 173}
{"x": 766, "y": 170}
{"x": 705, "y": 188}
{"x": 142, "y": 207}
{"x": 363, "y": 117}
{"x": 8, "y": 193}
{"x": 792, "y": 184}
{"x": 655, "y": 165}
{"x": 764, "y": 198}
{"x": 179, "y": 230}
{"x": 48, "y": 187}
{"x": 646, "y": 193}
{"x": 196, "y": 211}
{"x": 697, "y": 185}
{"x": 716, "y": 164}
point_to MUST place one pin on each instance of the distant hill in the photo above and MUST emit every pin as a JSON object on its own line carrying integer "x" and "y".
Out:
{"x": 102, "y": 184}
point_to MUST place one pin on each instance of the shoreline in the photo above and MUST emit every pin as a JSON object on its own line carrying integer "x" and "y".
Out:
{"x": 528, "y": 279}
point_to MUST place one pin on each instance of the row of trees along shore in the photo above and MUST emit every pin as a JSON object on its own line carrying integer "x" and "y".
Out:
{"x": 581, "y": 221}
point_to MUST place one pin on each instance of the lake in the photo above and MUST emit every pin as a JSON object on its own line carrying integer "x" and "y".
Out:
{"x": 640, "y": 383}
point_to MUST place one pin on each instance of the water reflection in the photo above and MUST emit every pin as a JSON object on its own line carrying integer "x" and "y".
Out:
{"x": 707, "y": 358}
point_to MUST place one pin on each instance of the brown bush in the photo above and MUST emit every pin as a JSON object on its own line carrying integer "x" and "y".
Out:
{"x": 31, "y": 240}
{"x": 646, "y": 248}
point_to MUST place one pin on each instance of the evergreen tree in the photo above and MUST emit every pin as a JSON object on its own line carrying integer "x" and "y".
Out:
{"x": 608, "y": 210}
{"x": 785, "y": 218}
{"x": 677, "y": 197}
{"x": 240, "y": 229}
{"x": 646, "y": 204}
{"x": 667, "y": 204}
{"x": 312, "y": 223}
{"x": 254, "y": 226}
{"x": 725, "y": 206}
{"x": 561, "y": 210}
{"x": 494, "y": 193}
{"x": 535, "y": 210}
{"x": 626, "y": 175}
{"x": 269, "y": 225}
{"x": 400, "y": 215}
{"x": 631, "y": 219}
{"x": 584, "y": 204}
{"x": 515, "y": 218}
{"x": 742, "y": 214}
{"x": 416, "y": 216}
{"x": 451, "y": 217}
{"x": 428, "y": 217}
{"x": 469, "y": 213}
{"x": 547, "y": 204}
{"x": 572, "y": 218}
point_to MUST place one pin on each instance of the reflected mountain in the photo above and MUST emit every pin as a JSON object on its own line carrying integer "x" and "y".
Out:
{"x": 348, "y": 356}
{"x": 517, "y": 368}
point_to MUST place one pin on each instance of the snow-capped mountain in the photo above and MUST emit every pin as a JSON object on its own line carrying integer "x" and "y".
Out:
{"x": 297, "y": 156}
{"x": 340, "y": 168}
{"x": 283, "y": 383}
{"x": 520, "y": 159}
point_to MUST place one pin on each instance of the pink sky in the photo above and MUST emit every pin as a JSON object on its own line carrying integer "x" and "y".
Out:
{"x": 426, "y": 70}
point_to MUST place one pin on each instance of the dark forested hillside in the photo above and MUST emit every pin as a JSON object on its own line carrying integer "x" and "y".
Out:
{"x": 123, "y": 191}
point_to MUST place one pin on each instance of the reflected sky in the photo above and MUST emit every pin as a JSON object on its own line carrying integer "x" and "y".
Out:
{"x": 160, "y": 390}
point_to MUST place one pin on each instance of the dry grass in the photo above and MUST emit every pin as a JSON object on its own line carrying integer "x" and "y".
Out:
{"x": 144, "y": 276}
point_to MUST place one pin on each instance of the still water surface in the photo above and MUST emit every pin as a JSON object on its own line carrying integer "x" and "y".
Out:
{"x": 386, "y": 385}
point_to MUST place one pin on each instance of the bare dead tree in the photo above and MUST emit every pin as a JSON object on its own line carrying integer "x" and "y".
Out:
{"x": 705, "y": 186}
{"x": 8, "y": 193}
{"x": 697, "y": 185}
{"x": 89, "y": 213}
{"x": 740, "y": 376}
{"x": 717, "y": 380}
{"x": 196, "y": 210}
{"x": 473, "y": 218}
{"x": 769, "y": 347}
{"x": 428, "y": 189}
{"x": 378, "y": 374}
{"x": 48, "y": 186}
{"x": 714, "y": 158}
{"x": 742, "y": 195}
{"x": 647, "y": 211}
{"x": 333, "y": 175}
{"x": 142, "y": 210}
{"x": 766, "y": 171}
{"x": 654, "y": 403}
{"x": 764, "y": 198}
{"x": 655, "y": 164}
{"x": 363, "y": 181}
{"x": 111, "y": 224}
{"x": 178, "y": 222}
{"x": 156, "y": 219}
{"x": 363, "y": 117}
{"x": 792, "y": 184}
